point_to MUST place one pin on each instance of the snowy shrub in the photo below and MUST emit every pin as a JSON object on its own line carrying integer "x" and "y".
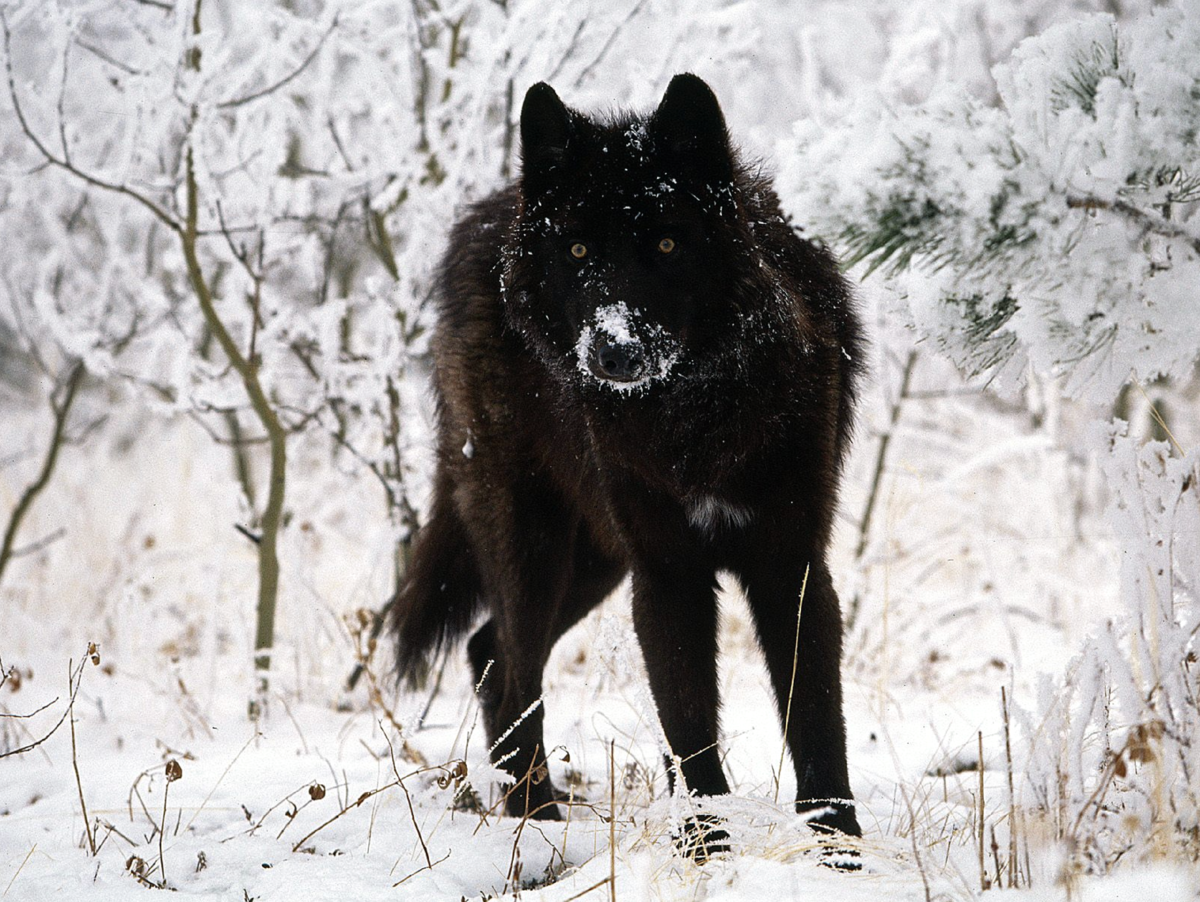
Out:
{"x": 1114, "y": 752}
{"x": 1057, "y": 228}
{"x": 1061, "y": 230}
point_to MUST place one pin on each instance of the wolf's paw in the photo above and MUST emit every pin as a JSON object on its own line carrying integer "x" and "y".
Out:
{"x": 834, "y": 825}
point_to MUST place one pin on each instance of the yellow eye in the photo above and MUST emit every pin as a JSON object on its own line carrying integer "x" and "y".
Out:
{"x": 578, "y": 250}
{"x": 666, "y": 245}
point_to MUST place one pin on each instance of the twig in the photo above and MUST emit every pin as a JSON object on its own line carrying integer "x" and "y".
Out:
{"x": 608, "y": 45}
{"x": 257, "y": 95}
{"x": 885, "y": 440}
{"x": 1151, "y": 222}
{"x": 73, "y": 685}
{"x": 77, "y": 675}
{"x": 594, "y": 886}
{"x": 612, "y": 821}
{"x": 787, "y": 717}
{"x": 983, "y": 880}
{"x": 40, "y": 544}
{"x": 159, "y": 212}
{"x": 1012, "y": 799}
{"x": 173, "y": 772}
{"x": 254, "y": 735}
{"x": 20, "y": 868}
{"x": 428, "y": 867}
{"x": 408, "y": 796}
{"x": 35, "y": 713}
{"x": 449, "y": 773}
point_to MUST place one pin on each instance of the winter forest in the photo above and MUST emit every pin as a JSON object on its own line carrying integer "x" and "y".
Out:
{"x": 219, "y": 222}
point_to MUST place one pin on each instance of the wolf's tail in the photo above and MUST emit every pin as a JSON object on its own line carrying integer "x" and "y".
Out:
{"x": 440, "y": 594}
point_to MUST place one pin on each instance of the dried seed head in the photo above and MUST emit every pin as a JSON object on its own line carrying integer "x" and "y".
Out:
{"x": 316, "y": 792}
{"x": 174, "y": 771}
{"x": 94, "y": 653}
{"x": 1141, "y": 741}
{"x": 454, "y": 772}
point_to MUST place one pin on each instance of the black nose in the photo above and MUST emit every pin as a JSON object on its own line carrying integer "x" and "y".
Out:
{"x": 618, "y": 361}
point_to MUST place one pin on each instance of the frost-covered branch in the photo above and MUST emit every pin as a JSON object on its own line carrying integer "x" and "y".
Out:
{"x": 1150, "y": 222}
{"x": 64, "y": 162}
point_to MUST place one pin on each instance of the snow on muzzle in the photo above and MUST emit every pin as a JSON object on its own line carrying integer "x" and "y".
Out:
{"x": 618, "y": 348}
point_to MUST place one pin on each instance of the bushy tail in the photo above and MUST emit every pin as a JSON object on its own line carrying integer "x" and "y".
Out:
{"x": 440, "y": 594}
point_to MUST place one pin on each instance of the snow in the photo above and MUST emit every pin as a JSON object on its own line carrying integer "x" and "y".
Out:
{"x": 624, "y": 326}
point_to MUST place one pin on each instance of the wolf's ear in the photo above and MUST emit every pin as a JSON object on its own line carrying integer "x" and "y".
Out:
{"x": 545, "y": 130}
{"x": 690, "y": 125}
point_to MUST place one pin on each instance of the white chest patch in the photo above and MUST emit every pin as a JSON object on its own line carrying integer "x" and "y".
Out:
{"x": 707, "y": 514}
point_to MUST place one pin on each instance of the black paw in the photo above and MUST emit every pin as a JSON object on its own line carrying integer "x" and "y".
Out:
{"x": 834, "y": 817}
{"x": 833, "y": 825}
{"x": 701, "y": 838}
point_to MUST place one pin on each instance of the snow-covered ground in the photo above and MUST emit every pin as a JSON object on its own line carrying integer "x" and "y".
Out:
{"x": 988, "y": 562}
{"x": 986, "y": 567}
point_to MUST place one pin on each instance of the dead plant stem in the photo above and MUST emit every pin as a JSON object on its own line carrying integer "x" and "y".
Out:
{"x": 787, "y": 716}
{"x": 612, "y": 821}
{"x": 1012, "y": 798}
{"x": 885, "y": 441}
{"x": 983, "y": 880}
{"x": 87, "y": 826}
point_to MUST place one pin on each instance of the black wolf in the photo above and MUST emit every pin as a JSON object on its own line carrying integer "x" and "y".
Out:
{"x": 640, "y": 367}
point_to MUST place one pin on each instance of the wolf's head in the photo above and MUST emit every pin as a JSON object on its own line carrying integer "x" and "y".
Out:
{"x": 623, "y": 244}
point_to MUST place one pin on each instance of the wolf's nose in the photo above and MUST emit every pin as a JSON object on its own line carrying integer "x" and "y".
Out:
{"x": 618, "y": 361}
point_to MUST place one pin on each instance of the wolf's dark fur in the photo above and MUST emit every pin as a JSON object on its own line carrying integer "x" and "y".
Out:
{"x": 640, "y": 367}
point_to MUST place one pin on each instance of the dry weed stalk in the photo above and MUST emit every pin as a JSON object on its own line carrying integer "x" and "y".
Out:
{"x": 1013, "y": 875}
{"x": 787, "y": 718}
{"x": 984, "y": 883}
{"x": 360, "y": 625}
{"x": 172, "y": 771}
{"x": 74, "y": 681}
{"x": 20, "y": 868}
{"x": 450, "y": 773}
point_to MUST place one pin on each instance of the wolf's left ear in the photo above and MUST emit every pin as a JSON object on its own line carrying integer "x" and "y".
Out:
{"x": 545, "y": 129}
{"x": 690, "y": 125}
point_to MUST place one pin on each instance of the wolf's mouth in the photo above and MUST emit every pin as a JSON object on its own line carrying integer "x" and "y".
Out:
{"x": 619, "y": 349}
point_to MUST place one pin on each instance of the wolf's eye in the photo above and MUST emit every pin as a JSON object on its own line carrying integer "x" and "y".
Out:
{"x": 666, "y": 245}
{"x": 579, "y": 250}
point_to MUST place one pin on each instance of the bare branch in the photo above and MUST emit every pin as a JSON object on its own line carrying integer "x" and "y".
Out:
{"x": 1151, "y": 222}
{"x": 258, "y": 95}
{"x": 62, "y": 410}
{"x": 35, "y": 547}
{"x": 66, "y": 164}
{"x": 608, "y": 45}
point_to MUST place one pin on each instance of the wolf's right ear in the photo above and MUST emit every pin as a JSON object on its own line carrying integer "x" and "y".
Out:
{"x": 545, "y": 130}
